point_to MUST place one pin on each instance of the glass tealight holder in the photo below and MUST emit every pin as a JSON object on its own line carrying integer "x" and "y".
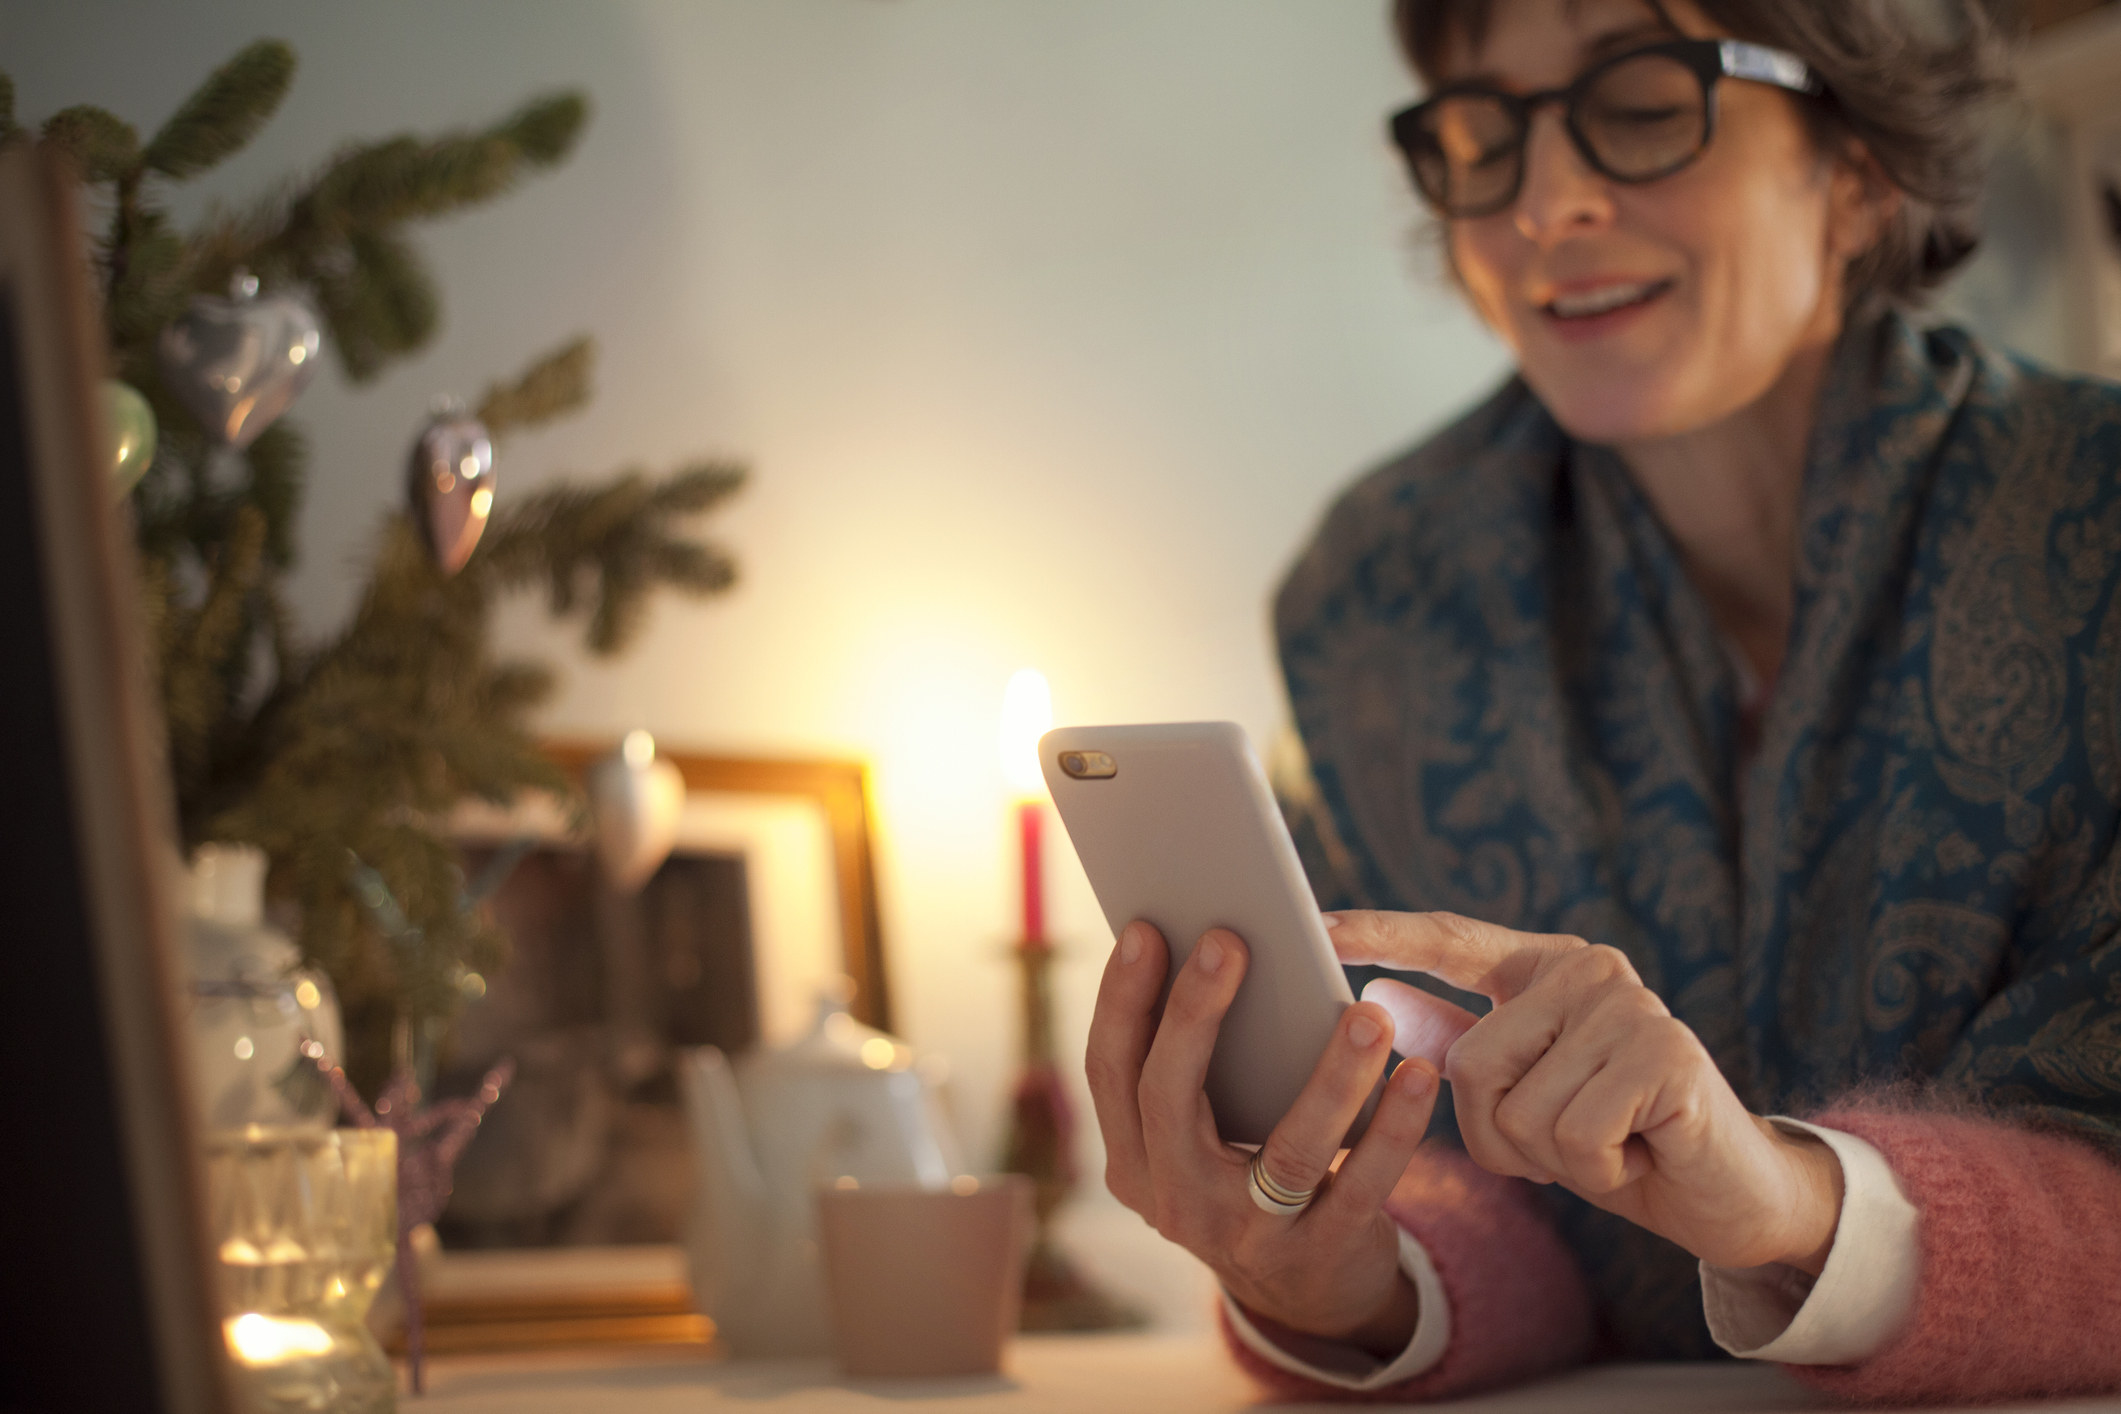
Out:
{"x": 305, "y": 1226}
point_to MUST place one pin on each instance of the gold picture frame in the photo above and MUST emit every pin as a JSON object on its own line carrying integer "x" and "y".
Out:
{"x": 841, "y": 789}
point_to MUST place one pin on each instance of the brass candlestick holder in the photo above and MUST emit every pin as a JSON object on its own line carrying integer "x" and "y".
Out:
{"x": 1057, "y": 1296}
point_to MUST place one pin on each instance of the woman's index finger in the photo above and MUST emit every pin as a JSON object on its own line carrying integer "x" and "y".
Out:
{"x": 1469, "y": 954}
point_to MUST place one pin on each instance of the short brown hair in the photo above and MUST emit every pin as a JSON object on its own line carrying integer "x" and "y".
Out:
{"x": 1915, "y": 83}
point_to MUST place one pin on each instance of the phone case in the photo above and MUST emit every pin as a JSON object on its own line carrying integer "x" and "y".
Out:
{"x": 1186, "y": 834}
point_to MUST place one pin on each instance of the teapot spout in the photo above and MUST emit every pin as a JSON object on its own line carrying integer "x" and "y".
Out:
{"x": 726, "y": 1233}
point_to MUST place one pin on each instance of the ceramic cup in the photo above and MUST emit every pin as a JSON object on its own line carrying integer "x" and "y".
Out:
{"x": 925, "y": 1281}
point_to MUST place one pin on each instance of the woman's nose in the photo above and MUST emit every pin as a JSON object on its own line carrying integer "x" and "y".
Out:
{"x": 1562, "y": 195}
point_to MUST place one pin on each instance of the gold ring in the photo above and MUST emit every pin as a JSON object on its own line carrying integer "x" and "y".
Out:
{"x": 1270, "y": 1197}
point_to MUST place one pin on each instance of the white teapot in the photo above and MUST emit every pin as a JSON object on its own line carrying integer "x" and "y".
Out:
{"x": 846, "y": 1101}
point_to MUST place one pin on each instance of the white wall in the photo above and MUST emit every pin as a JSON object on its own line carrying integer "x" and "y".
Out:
{"x": 1048, "y": 327}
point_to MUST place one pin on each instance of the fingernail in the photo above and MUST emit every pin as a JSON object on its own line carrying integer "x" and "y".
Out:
{"x": 1209, "y": 955}
{"x": 1363, "y": 1033}
{"x": 1416, "y": 1080}
{"x": 1332, "y": 921}
{"x": 1130, "y": 945}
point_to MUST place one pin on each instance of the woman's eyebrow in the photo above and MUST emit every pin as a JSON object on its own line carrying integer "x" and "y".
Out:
{"x": 1617, "y": 39}
{"x": 1591, "y": 51}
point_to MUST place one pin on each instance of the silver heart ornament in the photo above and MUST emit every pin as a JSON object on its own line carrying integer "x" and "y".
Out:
{"x": 451, "y": 484}
{"x": 237, "y": 363}
{"x": 636, "y": 799}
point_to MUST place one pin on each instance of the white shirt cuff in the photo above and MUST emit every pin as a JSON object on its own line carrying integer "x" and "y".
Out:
{"x": 1330, "y": 1362}
{"x": 1861, "y": 1299}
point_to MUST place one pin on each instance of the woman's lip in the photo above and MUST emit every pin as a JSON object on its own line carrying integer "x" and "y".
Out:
{"x": 1582, "y": 327}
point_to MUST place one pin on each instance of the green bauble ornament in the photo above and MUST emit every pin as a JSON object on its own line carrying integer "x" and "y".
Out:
{"x": 129, "y": 424}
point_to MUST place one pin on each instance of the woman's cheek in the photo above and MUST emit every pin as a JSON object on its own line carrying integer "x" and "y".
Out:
{"x": 1482, "y": 270}
{"x": 1776, "y": 233}
{"x": 1772, "y": 305}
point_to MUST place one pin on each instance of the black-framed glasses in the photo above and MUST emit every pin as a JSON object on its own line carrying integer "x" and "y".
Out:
{"x": 1635, "y": 117}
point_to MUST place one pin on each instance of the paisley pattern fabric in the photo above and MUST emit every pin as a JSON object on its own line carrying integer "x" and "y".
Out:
{"x": 1516, "y": 707}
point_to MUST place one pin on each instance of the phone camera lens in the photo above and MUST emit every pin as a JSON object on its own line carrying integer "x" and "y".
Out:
{"x": 1072, "y": 762}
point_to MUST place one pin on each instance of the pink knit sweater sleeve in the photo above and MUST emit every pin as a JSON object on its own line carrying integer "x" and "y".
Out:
{"x": 2020, "y": 1288}
{"x": 1519, "y": 1305}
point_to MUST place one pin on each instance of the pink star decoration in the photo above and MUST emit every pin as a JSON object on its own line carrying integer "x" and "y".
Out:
{"x": 430, "y": 1138}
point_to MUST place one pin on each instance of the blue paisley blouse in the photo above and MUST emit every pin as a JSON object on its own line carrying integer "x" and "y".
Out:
{"x": 1516, "y": 707}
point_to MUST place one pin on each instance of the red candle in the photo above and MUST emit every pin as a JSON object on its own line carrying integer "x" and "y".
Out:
{"x": 1030, "y": 823}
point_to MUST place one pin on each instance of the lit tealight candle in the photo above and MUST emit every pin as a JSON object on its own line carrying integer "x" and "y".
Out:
{"x": 1027, "y": 715}
{"x": 259, "y": 1339}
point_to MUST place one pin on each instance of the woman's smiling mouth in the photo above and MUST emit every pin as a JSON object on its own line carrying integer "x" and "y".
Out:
{"x": 1586, "y": 311}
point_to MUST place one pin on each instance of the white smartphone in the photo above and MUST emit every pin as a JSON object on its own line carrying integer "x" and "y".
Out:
{"x": 1175, "y": 824}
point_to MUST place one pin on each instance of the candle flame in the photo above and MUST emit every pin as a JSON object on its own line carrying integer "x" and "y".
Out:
{"x": 1027, "y": 715}
{"x": 272, "y": 1340}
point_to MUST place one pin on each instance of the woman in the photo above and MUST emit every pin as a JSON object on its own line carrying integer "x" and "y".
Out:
{"x": 1743, "y": 680}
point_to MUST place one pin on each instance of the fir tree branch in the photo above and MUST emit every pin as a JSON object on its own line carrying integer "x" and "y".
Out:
{"x": 148, "y": 289}
{"x": 698, "y": 487}
{"x": 381, "y": 305}
{"x": 694, "y": 568}
{"x": 277, "y": 460}
{"x": 620, "y": 609}
{"x": 103, "y": 145}
{"x": 400, "y": 716}
{"x": 338, "y": 236}
{"x": 157, "y": 609}
{"x": 546, "y": 129}
{"x": 167, "y": 511}
{"x": 203, "y": 643}
{"x": 224, "y": 113}
{"x": 498, "y": 766}
{"x": 229, "y": 241}
{"x": 404, "y": 178}
{"x": 614, "y": 541}
{"x": 555, "y": 385}
{"x": 239, "y": 748}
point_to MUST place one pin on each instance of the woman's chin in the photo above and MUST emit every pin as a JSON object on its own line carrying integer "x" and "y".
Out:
{"x": 1638, "y": 385}
{"x": 1609, "y": 412}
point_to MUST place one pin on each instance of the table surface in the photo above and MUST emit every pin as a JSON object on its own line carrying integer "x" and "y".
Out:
{"x": 1169, "y": 1374}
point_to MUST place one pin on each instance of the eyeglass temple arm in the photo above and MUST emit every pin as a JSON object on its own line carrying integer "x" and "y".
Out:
{"x": 1764, "y": 65}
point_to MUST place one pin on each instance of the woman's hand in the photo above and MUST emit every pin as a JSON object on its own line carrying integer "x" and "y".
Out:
{"x": 1331, "y": 1270}
{"x": 1581, "y": 1076}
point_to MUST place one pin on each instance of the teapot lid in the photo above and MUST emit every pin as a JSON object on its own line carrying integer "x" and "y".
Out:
{"x": 837, "y": 1042}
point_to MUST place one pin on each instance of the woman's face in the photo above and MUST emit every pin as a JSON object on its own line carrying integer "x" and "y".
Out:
{"x": 1728, "y": 268}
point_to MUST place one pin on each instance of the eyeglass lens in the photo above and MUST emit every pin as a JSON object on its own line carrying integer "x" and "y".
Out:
{"x": 1638, "y": 119}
